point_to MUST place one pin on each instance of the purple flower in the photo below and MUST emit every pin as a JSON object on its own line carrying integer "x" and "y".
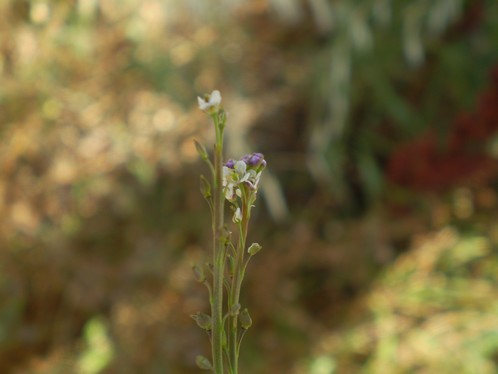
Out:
{"x": 254, "y": 160}
{"x": 244, "y": 172}
{"x": 245, "y": 158}
{"x": 230, "y": 164}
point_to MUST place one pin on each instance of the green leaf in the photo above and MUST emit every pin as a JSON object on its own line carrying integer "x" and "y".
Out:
{"x": 201, "y": 150}
{"x": 205, "y": 187}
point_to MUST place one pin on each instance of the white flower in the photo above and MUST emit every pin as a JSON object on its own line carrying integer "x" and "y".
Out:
{"x": 229, "y": 183}
{"x": 226, "y": 172}
{"x": 252, "y": 179}
{"x": 210, "y": 101}
{"x": 237, "y": 216}
{"x": 240, "y": 167}
{"x": 232, "y": 178}
{"x": 229, "y": 192}
{"x": 237, "y": 174}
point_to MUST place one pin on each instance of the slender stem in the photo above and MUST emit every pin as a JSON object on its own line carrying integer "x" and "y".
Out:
{"x": 238, "y": 276}
{"x": 218, "y": 254}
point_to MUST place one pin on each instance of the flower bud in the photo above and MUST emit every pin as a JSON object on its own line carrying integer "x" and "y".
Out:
{"x": 237, "y": 216}
{"x": 210, "y": 103}
{"x": 255, "y": 159}
{"x": 246, "y": 158}
{"x": 203, "y": 363}
{"x": 254, "y": 248}
{"x": 230, "y": 163}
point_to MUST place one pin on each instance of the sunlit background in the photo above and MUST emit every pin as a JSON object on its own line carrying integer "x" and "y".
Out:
{"x": 377, "y": 215}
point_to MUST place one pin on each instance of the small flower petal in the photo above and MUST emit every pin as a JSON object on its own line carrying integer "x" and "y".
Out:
{"x": 210, "y": 101}
{"x": 215, "y": 98}
{"x": 229, "y": 194}
{"x": 240, "y": 167}
{"x": 203, "y": 104}
{"x": 237, "y": 216}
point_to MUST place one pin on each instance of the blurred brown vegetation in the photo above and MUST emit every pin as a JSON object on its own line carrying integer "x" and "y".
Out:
{"x": 379, "y": 121}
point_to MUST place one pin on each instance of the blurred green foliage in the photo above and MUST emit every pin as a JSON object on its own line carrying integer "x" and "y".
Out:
{"x": 433, "y": 310}
{"x": 98, "y": 352}
{"x": 101, "y": 218}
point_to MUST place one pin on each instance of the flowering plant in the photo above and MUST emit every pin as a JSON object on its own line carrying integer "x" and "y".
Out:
{"x": 234, "y": 183}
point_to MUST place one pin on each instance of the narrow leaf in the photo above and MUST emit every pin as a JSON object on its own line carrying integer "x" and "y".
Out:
{"x": 205, "y": 187}
{"x": 201, "y": 150}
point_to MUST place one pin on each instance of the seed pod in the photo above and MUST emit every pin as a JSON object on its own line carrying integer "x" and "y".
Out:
{"x": 198, "y": 273}
{"x": 245, "y": 319}
{"x": 203, "y": 320}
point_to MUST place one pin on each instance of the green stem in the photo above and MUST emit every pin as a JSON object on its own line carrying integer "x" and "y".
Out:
{"x": 238, "y": 276}
{"x": 218, "y": 254}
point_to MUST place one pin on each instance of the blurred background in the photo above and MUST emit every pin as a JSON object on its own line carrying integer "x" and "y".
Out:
{"x": 379, "y": 122}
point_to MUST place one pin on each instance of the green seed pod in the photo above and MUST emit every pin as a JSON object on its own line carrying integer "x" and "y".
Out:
{"x": 245, "y": 319}
{"x": 198, "y": 273}
{"x": 203, "y": 320}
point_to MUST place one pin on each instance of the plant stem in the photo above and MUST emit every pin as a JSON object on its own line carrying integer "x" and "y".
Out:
{"x": 218, "y": 254}
{"x": 238, "y": 276}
